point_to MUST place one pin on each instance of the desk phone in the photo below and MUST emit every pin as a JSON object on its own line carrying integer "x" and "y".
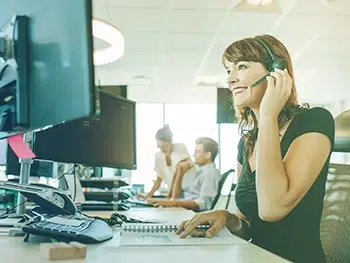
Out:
{"x": 57, "y": 216}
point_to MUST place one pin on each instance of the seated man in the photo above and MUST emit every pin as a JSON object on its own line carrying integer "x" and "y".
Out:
{"x": 200, "y": 195}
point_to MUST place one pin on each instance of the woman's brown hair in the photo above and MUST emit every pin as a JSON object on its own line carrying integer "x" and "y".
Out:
{"x": 250, "y": 49}
{"x": 165, "y": 134}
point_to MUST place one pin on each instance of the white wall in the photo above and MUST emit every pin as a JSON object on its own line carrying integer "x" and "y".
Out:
{"x": 146, "y": 91}
{"x": 339, "y": 106}
{"x": 146, "y": 94}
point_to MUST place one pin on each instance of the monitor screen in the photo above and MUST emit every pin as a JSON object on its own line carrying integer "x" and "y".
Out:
{"x": 107, "y": 140}
{"x": 54, "y": 80}
{"x": 225, "y": 112}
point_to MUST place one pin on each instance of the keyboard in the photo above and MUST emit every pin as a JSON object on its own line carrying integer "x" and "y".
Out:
{"x": 67, "y": 228}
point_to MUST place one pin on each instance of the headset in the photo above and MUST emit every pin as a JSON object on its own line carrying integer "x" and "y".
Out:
{"x": 279, "y": 63}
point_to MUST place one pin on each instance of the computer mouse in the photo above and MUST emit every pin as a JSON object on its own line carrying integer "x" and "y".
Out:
{"x": 123, "y": 207}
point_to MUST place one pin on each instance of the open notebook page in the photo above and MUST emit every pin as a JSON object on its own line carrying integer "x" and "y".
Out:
{"x": 164, "y": 235}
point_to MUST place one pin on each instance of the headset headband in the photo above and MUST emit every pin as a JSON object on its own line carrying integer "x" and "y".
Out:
{"x": 266, "y": 47}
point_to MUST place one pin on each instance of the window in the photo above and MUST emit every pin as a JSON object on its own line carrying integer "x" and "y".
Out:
{"x": 149, "y": 118}
{"x": 190, "y": 121}
{"x": 187, "y": 122}
{"x": 229, "y": 139}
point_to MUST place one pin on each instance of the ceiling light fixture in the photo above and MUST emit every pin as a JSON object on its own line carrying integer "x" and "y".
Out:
{"x": 259, "y": 2}
{"x": 113, "y": 37}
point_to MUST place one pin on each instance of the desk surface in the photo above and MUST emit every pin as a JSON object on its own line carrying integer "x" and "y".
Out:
{"x": 14, "y": 250}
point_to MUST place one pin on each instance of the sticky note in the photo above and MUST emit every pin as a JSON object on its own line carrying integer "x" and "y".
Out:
{"x": 20, "y": 148}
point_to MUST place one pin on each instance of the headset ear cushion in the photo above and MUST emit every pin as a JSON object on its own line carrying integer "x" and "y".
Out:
{"x": 278, "y": 63}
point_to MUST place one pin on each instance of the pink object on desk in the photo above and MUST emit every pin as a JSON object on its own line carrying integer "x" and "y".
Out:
{"x": 20, "y": 148}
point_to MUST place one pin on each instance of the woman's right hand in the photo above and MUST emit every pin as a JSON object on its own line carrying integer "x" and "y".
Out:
{"x": 216, "y": 219}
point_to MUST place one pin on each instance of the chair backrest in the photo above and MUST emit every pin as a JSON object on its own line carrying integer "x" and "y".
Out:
{"x": 221, "y": 184}
{"x": 335, "y": 222}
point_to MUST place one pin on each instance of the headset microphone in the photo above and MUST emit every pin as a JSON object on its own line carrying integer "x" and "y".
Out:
{"x": 260, "y": 80}
{"x": 279, "y": 63}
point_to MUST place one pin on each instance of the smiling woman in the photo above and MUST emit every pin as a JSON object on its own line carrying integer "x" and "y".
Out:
{"x": 283, "y": 156}
{"x": 248, "y": 67}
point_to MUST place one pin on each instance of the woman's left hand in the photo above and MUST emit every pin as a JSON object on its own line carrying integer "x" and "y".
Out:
{"x": 279, "y": 88}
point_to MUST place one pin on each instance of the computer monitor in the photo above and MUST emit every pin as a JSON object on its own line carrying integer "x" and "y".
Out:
{"x": 225, "y": 112}
{"x": 118, "y": 90}
{"x": 107, "y": 140}
{"x": 46, "y": 67}
{"x": 46, "y": 63}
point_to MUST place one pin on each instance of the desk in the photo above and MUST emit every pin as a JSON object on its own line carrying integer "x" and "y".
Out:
{"x": 173, "y": 215}
{"x": 12, "y": 249}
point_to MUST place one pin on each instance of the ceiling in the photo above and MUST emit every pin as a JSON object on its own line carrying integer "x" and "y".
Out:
{"x": 171, "y": 45}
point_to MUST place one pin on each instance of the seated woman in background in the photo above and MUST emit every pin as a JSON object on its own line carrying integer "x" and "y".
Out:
{"x": 283, "y": 158}
{"x": 167, "y": 162}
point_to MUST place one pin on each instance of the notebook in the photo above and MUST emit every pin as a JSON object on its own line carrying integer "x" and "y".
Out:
{"x": 165, "y": 235}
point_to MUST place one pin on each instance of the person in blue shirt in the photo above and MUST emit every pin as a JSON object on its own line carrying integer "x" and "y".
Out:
{"x": 200, "y": 195}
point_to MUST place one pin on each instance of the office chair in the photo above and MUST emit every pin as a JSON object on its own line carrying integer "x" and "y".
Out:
{"x": 335, "y": 221}
{"x": 221, "y": 184}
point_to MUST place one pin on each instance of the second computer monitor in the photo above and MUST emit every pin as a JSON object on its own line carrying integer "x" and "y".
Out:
{"x": 108, "y": 140}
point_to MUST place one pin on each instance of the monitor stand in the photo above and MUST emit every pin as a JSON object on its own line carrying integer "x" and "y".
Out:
{"x": 28, "y": 138}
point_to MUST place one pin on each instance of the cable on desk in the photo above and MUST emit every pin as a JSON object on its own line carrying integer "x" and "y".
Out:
{"x": 75, "y": 183}
{"x": 119, "y": 219}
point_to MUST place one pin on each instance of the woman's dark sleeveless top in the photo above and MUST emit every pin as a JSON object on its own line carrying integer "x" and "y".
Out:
{"x": 297, "y": 236}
